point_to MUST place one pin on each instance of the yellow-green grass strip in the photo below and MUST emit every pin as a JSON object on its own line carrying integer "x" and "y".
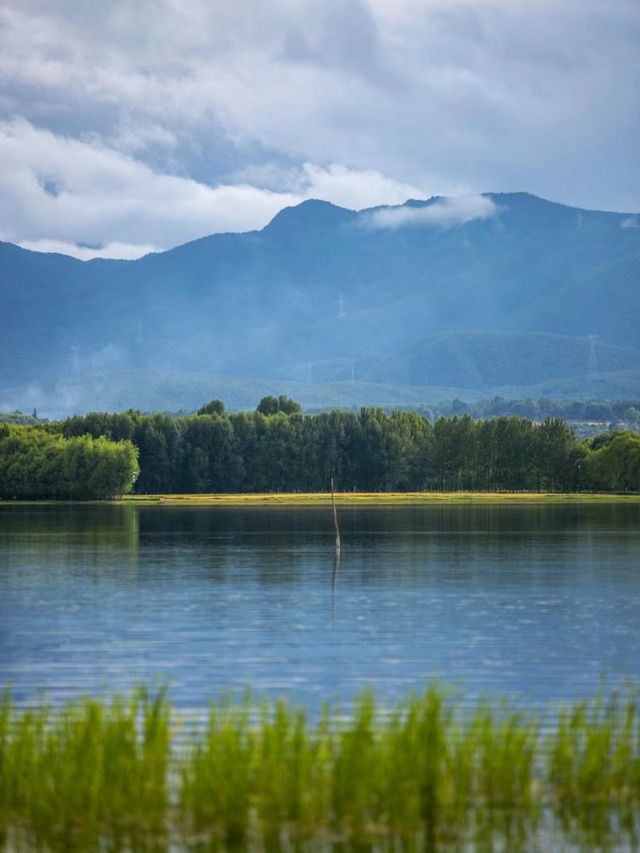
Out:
{"x": 380, "y": 498}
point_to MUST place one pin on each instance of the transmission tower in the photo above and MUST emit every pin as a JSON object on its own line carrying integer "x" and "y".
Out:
{"x": 593, "y": 358}
{"x": 75, "y": 360}
{"x": 341, "y": 310}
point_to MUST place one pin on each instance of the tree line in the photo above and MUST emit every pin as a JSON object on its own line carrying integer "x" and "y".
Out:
{"x": 277, "y": 448}
{"x": 625, "y": 410}
{"x": 36, "y": 463}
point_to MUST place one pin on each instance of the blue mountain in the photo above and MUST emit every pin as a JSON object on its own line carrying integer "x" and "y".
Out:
{"x": 521, "y": 293}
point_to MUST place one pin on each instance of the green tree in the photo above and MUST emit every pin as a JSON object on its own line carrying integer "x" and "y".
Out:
{"x": 268, "y": 406}
{"x": 288, "y": 406}
{"x": 213, "y": 407}
{"x": 615, "y": 465}
{"x": 37, "y": 464}
{"x": 274, "y": 405}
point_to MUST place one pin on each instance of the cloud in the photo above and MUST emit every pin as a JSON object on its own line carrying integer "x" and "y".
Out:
{"x": 630, "y": 222}
{"x": 352, "y": 188}
{"x": 448, "y": 96}
{"x": 122, "y": 251}
{"x": 84, "y": 199}
{"x": 61, "y": 189}
{"x": 442, "y": 213}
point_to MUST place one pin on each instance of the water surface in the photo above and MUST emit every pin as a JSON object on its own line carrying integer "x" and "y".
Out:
{"x": 539, "y": 602}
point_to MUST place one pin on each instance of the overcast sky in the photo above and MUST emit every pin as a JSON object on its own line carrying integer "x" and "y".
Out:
{"x": 133, "y": 125}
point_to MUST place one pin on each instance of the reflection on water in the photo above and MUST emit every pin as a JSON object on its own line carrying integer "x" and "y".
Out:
{"x": 539, "y": 601}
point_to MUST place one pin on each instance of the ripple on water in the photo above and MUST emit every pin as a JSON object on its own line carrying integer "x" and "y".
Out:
{"x": 539, "y": 603}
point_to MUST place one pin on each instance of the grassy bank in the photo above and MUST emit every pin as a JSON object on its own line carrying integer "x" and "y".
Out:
{"x": 426, "y": 774}
{"x": 380, "y": 498}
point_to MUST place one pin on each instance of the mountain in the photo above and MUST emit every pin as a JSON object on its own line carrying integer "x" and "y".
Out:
{"x": 497, "y": 291}
{"x": 119, "y": 390}
{"x": 487, "y": 359}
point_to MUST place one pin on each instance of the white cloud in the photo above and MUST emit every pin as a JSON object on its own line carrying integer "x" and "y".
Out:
{"x": 122, "y": 251}
{"x": 54, "y": 188}
{"x": 86, "y": 200}
{"x": 356, "y": 189}
{"x": 442, "y": 212}
{"x": 449, "y": 96}
{"x": 132, "y": 137}
{"x": 630, "y": 222}
{"x": 352, "y": 188}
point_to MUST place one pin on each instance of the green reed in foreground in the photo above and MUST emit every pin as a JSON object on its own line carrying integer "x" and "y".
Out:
{"x": 105, "y": 775}
{"x": 88, "y": 771}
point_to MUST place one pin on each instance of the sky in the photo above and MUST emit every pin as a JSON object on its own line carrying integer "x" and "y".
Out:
{"x": 128, "y": 127}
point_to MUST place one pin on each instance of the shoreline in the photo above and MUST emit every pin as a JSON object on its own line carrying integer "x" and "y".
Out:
{"x": 293, "y": 499}
{"x": 358, "y": 499}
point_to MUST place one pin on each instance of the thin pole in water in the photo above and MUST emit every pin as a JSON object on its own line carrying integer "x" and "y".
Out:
{"x": 335, "y": 519}
{"x": 336, "y": 561}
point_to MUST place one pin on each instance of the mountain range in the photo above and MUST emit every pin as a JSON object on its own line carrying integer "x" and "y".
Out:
{"x": 499, "y": 293}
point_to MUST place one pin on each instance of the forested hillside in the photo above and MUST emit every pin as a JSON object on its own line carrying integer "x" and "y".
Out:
{"x": 532, "y": 294}
{"x": 491, "y": 359}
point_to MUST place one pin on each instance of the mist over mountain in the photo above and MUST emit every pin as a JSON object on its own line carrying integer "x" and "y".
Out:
{"x": 471, "y": 295}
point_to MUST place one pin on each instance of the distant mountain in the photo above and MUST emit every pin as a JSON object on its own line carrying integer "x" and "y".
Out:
{"x": 119, "y": 390}
{"x": 487, "y": 359}
{"x": 505, "y": 290}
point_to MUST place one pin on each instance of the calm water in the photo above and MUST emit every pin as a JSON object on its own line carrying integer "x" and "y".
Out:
{"x": 537, "y": 602}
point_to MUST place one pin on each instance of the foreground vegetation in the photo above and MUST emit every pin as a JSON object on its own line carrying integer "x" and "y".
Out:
{"x": 278, "y": 449}
{"x": 430, "y": 772}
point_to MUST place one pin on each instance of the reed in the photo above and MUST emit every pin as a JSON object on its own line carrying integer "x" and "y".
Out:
{"x": 91, "y": 770}
{"x": 218, "y": 777}
{"x": 594, "y": 765}
{"x": 429, "y": 773}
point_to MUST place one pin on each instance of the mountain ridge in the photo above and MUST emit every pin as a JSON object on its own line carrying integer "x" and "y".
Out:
{"x": 323, "y": 282}
{"x": 312, "y": 202}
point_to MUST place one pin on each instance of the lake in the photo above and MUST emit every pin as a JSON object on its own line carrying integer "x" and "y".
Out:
{"x": 539, "y": 602}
